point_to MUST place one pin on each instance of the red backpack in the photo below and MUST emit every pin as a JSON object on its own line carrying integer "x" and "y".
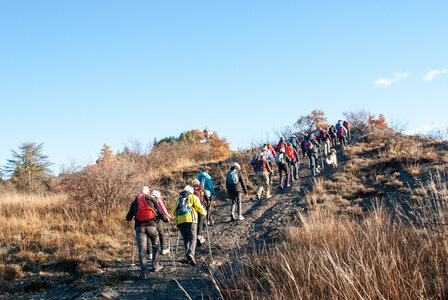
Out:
{"x": 309, "y": 145}
{"x": 144, "y": 212}
{"x": 340, "y": 131}
{"x": 199, "y": 192}
{"x": 323, "y": 134}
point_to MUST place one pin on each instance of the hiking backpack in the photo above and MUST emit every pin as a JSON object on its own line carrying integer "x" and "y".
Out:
{"x": 280, "y": 159}
{"x": 323, "y": 135}
{"x": 183, "y": 207}
{"x": 199, "y": 193}
{"x": 144, "y": 212}
{"x": 233, "y": 176}
{"x": 308, "y": 145}
{"x": 341, "y": 131}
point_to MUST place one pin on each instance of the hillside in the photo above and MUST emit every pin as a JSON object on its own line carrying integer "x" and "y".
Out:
{"x": 328, "y": 236}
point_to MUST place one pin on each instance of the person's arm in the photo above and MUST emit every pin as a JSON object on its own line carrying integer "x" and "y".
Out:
{"x": 163, "y": 209}
{"x": 268, "y": 167}
{"x": 198, "y": 206}
{"x": 130, "y": 214}
{"x": 159, "y": 210}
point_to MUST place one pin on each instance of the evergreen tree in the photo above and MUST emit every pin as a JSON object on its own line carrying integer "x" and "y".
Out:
{"x": 29, "y": 167}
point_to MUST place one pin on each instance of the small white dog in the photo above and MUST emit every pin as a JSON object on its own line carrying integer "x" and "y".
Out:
{"x": 332, "y": 159}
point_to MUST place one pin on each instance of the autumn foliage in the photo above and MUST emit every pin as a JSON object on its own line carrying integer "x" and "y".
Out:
{"x": 310, "y": 123}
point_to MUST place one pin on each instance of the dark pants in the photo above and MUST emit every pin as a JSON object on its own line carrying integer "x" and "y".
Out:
{"x": 188, "y": 232}
{"x": 236, "y": 200}
{"x": 200, "y": 223}
{"x": 283, "y": 171}
{"x": 209, "y": 216}
{"x": 143, "y": 234}
{"x": 333, "y": 141}
{"x": 314, "y": 161}
{"x": 342, "y": 141}
{"x": 162, "y": 236}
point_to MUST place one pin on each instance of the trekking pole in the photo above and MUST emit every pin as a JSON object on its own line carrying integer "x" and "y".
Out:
{"x": 177, "y": 243}
{"x": 169, "y": 244}
{"x": 209, "y": 246}
{"x": 133, "y": 247}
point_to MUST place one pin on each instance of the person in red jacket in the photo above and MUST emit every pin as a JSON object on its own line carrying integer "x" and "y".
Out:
{"x": 294, "y": 164}
{"x": 281, "y": 144}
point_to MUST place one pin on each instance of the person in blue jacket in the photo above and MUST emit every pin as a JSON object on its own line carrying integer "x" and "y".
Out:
{"x": 206, "y": 181}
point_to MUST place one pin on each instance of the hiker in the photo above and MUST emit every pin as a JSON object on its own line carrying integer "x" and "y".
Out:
{"x": 199, "y": 191}
{"x": 145, "y": 212}
{"x": 235, "y": 185}
{"x": 312, "y": 148}
{"x": 156, "y": 196}
{"x": 186, "y": 211}
{"x": 332, "y": 135}
{"x": 262, "y": 170}
{"x": 303, "y": 139}
{"x": 270, "y": 157}
{"x": 346, "y": 124}
{"x": 322, "y": 137}
{"x": 206, "y": 181}
{"x": 294, "y": 162}
{"x": 281, "y": 144}
{"x": 283, "y": 161}
{"x": 341, "y": 133}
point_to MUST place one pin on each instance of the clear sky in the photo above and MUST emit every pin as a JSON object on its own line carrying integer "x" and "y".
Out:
{"x": 77, "y": 74}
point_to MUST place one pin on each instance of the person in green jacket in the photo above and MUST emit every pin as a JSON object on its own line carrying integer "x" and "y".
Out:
{"x": 186, "y": 212}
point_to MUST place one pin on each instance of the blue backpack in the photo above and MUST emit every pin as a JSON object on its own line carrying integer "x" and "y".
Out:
{"x": 182, "y": 204}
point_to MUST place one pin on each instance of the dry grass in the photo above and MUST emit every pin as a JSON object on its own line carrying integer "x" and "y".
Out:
{"x": 330, "y": 257}
{"x": 39, "y": 230}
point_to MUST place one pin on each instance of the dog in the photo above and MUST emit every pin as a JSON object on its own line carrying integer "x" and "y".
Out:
{"x": 332, "y": 159}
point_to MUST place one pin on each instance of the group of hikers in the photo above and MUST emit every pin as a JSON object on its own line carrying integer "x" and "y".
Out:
{"x": 193, "y": 209}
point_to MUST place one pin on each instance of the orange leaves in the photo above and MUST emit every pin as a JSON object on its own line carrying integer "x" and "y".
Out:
{"x": 106, "y": 156}
{"x": 380, "y": 123}
{"x": 310, "y": 123}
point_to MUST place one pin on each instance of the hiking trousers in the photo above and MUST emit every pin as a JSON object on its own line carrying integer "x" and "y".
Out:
{"x": 236, "y": 201}
{"x": 209, "y": 217}
{"x": 263, "y": 184}
{"x": 342, "y": 141}
{"x": 200, "y": 223}
{"x": 188, "y": 231}
{"x": 142, "y": 235}
{"x": 314, "y": 161}
{"x": 283, "y": 171}
{"x": 162, "y": 236}
{"x": 293, "y": 171}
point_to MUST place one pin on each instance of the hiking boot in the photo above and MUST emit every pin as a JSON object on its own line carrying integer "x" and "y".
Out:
{"x": 268, "y": 197}
{"x": 158, "y": 268}
{"x": 149, "y": 257}
{"x": 240, "y": 218}
{"x": 165, "y": 251}
{"x": 191, "y": 259}
{"x": 143, "y": 276}
{"x": 288, "y": 185}
{"x": 258, "y": 197}
{"x": 232, "y": 217}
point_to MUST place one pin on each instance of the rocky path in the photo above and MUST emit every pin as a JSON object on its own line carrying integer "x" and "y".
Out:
{"x": 263, "y": 219}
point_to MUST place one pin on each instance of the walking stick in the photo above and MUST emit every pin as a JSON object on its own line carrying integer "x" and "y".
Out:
{"x": 322, "y": 159}
{"x": 209, "y": 246}
{"x": 177, "y": 243}
{"x": 169, "y": 244}
{"x": 133, "y": 248}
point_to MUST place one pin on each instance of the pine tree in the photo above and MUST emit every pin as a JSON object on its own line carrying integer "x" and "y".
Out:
{"x": 29, "y": 167}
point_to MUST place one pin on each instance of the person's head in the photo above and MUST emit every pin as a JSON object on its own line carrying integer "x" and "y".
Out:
{"x": 340, "y": 121}
{"x": 282, "y": 150}
{"x": 205, "y": 169}
{"x": 288, "y": 144}
{"x": 282, "y": 139}
{"x": 144, "y": 190}
{"x": 155, "y": 194}
{"x": 195, "y": 181}
{"x": 188, "y": 189}
{"x": 236, "y": 166}
{"x": 265, "y": 148}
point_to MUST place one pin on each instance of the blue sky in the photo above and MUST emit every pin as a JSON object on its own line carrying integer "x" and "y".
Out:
{"x": 77, "y": 74}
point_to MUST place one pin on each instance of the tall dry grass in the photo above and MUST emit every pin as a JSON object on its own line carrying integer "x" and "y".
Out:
{"x": 38, "y": 230}
{"x": 329, "y": 256}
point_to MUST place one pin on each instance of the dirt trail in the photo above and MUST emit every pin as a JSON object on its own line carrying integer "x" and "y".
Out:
{"x": 263, "y": 219}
